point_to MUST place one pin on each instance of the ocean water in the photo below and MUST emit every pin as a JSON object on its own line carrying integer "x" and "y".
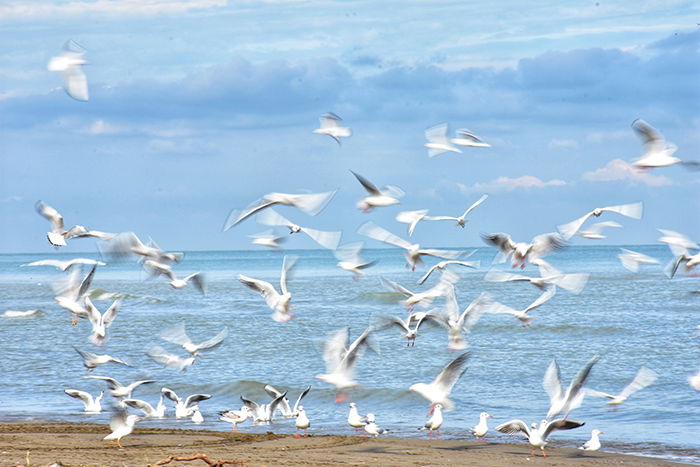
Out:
{"x": 628, "y": 319}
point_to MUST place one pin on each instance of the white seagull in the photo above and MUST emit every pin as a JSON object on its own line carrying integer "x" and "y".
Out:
{"x": 434, "y": 422}
{"x": 116, "y": 389}
{"x": 632, "y": 259}
{"x": 101, "y": 321}
{"x": 330, "y": 125}
{"x": 64, "y": 265}
{"x": 444, "y": 264}
{"x": 72, "y": 293}
{"x": 537, "y": 437}
{"x": 70, "y": 64}
{"x": 349, "y": 259}
{"x": 268, "y": 238}
{"x": 326, "y": 239}
{"x": 426, "y": 297}
{"x": 480, "y": 429}
{"x": 438, "y": 391}
{"x": 592, "y": 444}
{"x": 148, "y": 410}
{"x": 633, "y": 210}
{"x": 156, "y": 268}
{"x": 411, "y": 218}
{"x": 234, "y": 417}
{"x": 302, "y": 422}
{"x": 58, "y": 235}
{"x": 311, "y": 204}
{"x": 284, "y": 407}
{"x": 92, "y": 405}
{"x": 522, "y": 315}
{"x": 177, "y": 335}
{"x": 184, "y": 407}
{"x": 263, "y": 413}
{"x": 563, "y": 402}
{"x": 341, "y": 359}
{"x": 657, "y": 151}
{"x": 91, "y": 360}
{"x": 354, "y": 419}
{"x": 277, "y": 301}
{"x": 522, "y": 252}
{"x": 438, "y": 142}
{"x": 595, "y": 231}
{"x": 121, "y": 424}
{"x": 371, "y": 426}
{"x": 549, "y": 277}
{"x": 376, "y": 197}
{"x": 127, "y": 243}
{"x": 642, "y": 379}
{"x": 467, "y": 138}
{"x": 457, "y": 323}
{"x": 169, "y": 360}
{"x": 413, "y": 252}
{"x": 461, "y": 220}
{"x": 410, "y": 332}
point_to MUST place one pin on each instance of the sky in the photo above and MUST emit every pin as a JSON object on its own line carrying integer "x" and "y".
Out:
{"x": 198, "y": 107}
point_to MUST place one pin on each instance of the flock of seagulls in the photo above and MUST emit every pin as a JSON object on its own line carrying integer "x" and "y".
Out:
{"x": 339, "y": 353}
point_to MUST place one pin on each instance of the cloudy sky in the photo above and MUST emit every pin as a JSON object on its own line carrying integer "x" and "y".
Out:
{"x": 200, "y": 106}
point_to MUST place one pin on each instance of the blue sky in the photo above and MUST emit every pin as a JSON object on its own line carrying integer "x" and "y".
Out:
{"x": 200, "y": 106}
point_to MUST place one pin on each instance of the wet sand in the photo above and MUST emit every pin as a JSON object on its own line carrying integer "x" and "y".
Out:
{"x": 80, "y": 444}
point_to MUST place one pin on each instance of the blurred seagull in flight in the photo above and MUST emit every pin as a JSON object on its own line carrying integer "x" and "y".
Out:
{"x": 184, "y": 407}
{"x": 522, "y": 252}
{"x": 426, "y": 297}
{"x": 116, "y": 389}
{"x": 642, "y": 379}
{"x": 268, "y": 238}
{"x": 522, "y": 315}
{"x": 549, "y": 276}
{"x": 461, "y": 220}
{"x": 330, "y": 124}
{"x": 156, "y": 268}
{"x": 92, "y": 405}
{"x": 405, "y": 325}
{"x": 632, "y": 259}
{"x": 328, "y": 240}
{"x": 438, "y": 391}
{"x": 127, "y": 243}
{"x": 64, "y": 265}
{"x": 169, "y": 360}
{"x": 311, "y": 204}
{"x": 350, "y": 260}
{"x": 537, "y": 436}
{"x": 277, "y": 301}
{"x": 101, "y": 321}
{"x": 657, "y": 151}
{"x": 563, "y": 402}
{"x": 411, "y": 218}
{"x": 457, "y": 323}
{"x": 438, "y": 142}
{"x": 595, "y": 231}
{"x": 58, "y": 235}
{"x": 445, "y": 264}
{"x": 177, "y": 335}
{"x": 633, "y": 210}
{"x": 467, "y": 138}
{"x": 92, "y": 361}
{"x": 376, "y": 197}
{"x": 70, "y": 64}
{"x": 148, "y": 410}
{"x": 72, "y": 293}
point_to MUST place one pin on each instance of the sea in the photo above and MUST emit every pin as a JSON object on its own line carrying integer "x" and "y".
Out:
{"x": 628, "y": 319}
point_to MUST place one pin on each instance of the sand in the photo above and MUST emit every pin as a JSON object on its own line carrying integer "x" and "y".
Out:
{"x": 80, "y": 444}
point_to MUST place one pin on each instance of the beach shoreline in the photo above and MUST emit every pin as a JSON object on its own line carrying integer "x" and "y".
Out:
{"x": 81, "y": 444}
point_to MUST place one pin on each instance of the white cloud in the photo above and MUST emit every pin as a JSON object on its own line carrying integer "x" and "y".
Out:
{"x": 506, "y": 184}
{"x": 100, "y": 127}
{"x": 603, "y": 136}
{"x": 618, "y": 169}
{"x": 11, "y": 199}
{"x": 22, "y": 10}
{"x": 563, "y": 144}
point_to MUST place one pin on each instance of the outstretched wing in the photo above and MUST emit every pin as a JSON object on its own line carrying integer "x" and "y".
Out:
{"x": 265, "y": 289}
{"x": 369, "y": 186}
{"x": 451, "y": 372}
{"x": 514, "y": 426}
{"x": 372, "y": 230}
{"x": 642, "y": 379}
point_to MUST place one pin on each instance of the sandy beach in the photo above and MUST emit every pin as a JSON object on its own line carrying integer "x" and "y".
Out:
{"x": 75, "y": 444}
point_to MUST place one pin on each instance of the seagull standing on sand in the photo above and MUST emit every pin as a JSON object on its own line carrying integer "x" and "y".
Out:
{"x": 438, "y": 142}
{"x": 522, "y": 252}
{"x": 311, "y": 204}
{"x": 354, "y": 419}
{"x": 537, "y": 436}
{"x": 92, "y": 405}
{"x": 461, "y": 220}
{"x": 372, "y": 428}
{"x": 70, "y": 64}
{"x": 330, "y": 125}
{"x": 413, "y": 252}
{"x": 277, "y": 301}
{"x": 642, "y": 379}
{"x": 633, "y": 210}
{"x": 563, "y": 402}
{"x": 480, "y": 429}
{"x": 438, "y": 391}
{"x": 234, "y": 417}
{"x": 592, "y": 444}
{"x": 328, "y": 240}
{"x": 434, "y": 422}
{"x": 121, "y": 424}
{"x": 376, "y": 197}
{"x": 302, "y": 422}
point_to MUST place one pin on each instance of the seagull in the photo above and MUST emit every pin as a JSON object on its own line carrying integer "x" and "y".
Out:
{"x": 434, "y": 422}
{"x": 443, "y": 264}
{"x": 467, "y": 138}
{"x": 411, "y": 218}
{"x": 116, "y": 389}
{"x": 91, "y": 405}
{"x": 157, "y": 269}
{"x": 657, "y": 151}
{"x": 70, "y": 63}
{"x": 689, "y": 261}
{"x": 461, "y": 220}
{"x": 438, "y": 391}
{"x": 283, "y": 406}
{"x": 100, "y": 322}
{"x": 263, "y": 413}
{"x": 438, "y": 142}
{"x": 522, "y": 315}
{"x": 302, "y": 422}
{"x": 642, "y": 379}
{"x": 376, "y": 197}
{"x": 268, "y": 238}
{"x": 311, "y": 204}
{"x": 127, "y": 243}
{"x": 354, "y": 419}
{"x": 21, "y": 314}
{"x": 146, "y": 408}
{"x": 184, "y": 407}
{"x": 341, "y": 359}
{"x": 632, "y": 259}
{"x": 72, "y": 292}
{"x": 277, "y": 301}
{"x": 91, "y": 360}
{"x": 330, "y": 125}
{"x": 522, "y": 252}
{"x": 694, "y": 381}
{"x": 234, "y": 417}
{"x": 349, "y": 259}
{"x": 328, "y": 240}
{"x": 456, "y": 323}
{"x": 177, "y": 335}
{"x": 564, "y": 402}
{"x": 58, "y": 235}
{"x": 410, "y": 332}
{"x": 197, "y": 415}
{"x": 64, "y": 265}
{"x": 480, "y": 429}
{"x": 594, "y": 232}
{"x": 677, "y": 242}
{"x": 423, "y": 298}
{"x": 633, "y": 210}
{"x": 372, "y": 428}
{"x": 413, "y": 252}
{"x": 121, "y": 424}
{"x": 592, "y": 444}
{"x": 549, "y": 277}
{"x": 169, "y": 360}
{"x": 537, "y": 436}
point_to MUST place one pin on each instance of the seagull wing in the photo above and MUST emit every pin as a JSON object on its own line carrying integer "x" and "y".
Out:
{"x": 52, "y": 215}
{"x": 196, "y": 398}
{"x": 176, "y": 334}
{"x": 514, "y": 426}
{"x": 471, "y": 208}
{"x": 560, "y": 424}
{"x": 642, "y": 379}
{"x": 552, "y": 382}
{"x": 138, "y": 404}
{"x": 265, "y": 289}
{"x": 334, "y": 348}
{"x": 411, "y": 218}
{"x": 111, "y": 382}
{"x": 427, "y": 274}
{"x": 236, "y": 216}
{"x": 81, "y": 395}
{"x": 653, "y": 140}
{"x": 501, "y": 241}
{"x": 372, "y": 230}
{"x": 396, "y": 287}
{"x": 214, "y": 341}
{"x": 288, "y": 263}
{"x": 170, "y": 394}
{"x": 272, "y": 217}
{"x": 546, "y": 243}
{"x": 329, "y": 240}
{"x": 75, "y": 83}
{"x": 111, "y": 313}
{"x": 311, "y": 203}
{"x": 369, "y": 186}
{"x": 450, "y": 373}
{"x": 301, "y": 396}
{"x": 545, "y": 296}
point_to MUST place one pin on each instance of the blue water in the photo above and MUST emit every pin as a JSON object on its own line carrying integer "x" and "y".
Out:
{"x": 629, "y": 319}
